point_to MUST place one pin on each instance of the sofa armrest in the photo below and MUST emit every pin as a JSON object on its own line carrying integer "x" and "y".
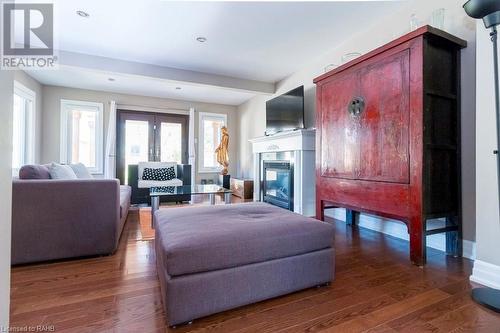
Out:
{"x": 184, "y": 173}
{"x": 53, "y": 219}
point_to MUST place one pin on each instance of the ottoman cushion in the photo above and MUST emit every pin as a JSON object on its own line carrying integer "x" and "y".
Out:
{"x": 201, "y": 239}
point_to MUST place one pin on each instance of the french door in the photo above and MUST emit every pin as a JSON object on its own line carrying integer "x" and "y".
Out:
{"x": 148, "y": 137}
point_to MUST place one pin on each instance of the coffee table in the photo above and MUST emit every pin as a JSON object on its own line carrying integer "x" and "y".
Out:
{"x": 211, "y": 190}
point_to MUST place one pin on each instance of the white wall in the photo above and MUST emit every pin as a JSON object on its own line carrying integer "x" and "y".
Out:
{"x": 52, "y": 96}
{"x": 35, "y": 86}
{"x": 6, "y": 92}
{"x": 252, "y": 113}
{"x": 487, "y": 265}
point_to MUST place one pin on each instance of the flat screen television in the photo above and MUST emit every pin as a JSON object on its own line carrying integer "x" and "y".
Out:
{"x": 285, "y": 112}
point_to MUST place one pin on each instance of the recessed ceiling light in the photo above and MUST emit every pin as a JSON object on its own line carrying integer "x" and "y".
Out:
{"x": 201, "y": 39}
{"x": 178, "y": 88}
{"x": 111, "y": 79}
{"x": 82, "y": 13}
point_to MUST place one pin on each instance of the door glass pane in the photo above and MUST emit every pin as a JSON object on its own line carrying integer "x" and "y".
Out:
{"x": 83, "y": 143}
{"x": 136, "y": 143}
{"x": 211, "y": 139}
{"x": 171, "y": 142}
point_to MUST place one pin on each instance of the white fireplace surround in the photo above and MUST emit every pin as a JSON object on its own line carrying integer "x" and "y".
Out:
{"x": 301, "y": 145}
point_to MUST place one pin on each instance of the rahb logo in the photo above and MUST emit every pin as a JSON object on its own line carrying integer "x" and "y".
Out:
{"x": 27, "y": 36}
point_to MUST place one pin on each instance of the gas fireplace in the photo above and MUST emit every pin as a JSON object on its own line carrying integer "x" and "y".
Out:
{"x": 278, "y": 183}
{"x": 284, "y": 169}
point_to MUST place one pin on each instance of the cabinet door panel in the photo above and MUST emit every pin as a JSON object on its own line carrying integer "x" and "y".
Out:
{"x": 384, "y": 142}
{"x": 339, "y": 130}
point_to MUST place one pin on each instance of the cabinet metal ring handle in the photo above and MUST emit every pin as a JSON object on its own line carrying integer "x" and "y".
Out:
{"x": 356, "y": 106}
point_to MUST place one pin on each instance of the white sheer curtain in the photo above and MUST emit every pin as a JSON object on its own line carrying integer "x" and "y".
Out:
{"x": 191, "y": 146}
{"x": 110, "y": 154}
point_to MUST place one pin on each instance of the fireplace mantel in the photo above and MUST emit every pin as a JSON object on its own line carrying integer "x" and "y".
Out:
{"x": 300, "y": 147}
{"x": 285, "y": 141}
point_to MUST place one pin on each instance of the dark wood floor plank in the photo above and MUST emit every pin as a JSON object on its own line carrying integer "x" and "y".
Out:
{"x": 391, "y": 284}
{"x": 469, "y": 317}
{"x": 380, "y": 329}
{"x": 404, "y": 307}
{"x": 419, "y": 320}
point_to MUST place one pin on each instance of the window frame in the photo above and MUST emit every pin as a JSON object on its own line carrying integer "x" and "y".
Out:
{"x": 65, "y": 148}
{"x": 29, "y": 124}
{"x": 201, "y": 135}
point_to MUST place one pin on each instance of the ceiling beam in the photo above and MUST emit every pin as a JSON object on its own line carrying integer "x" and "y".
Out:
{"x": 166, "y": 73}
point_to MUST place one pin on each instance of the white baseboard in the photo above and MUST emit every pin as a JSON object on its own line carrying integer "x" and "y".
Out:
{"x": 486, "y": 274}
{"x": 399, "y": 230}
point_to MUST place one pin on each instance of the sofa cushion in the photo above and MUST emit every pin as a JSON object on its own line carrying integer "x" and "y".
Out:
{"x": 81, "y": 171}
{"x": 34, "y": 172}
{"x": 60, "y": 171}
{"x": 200, "y": 239}
{"x": 157, "y": 183}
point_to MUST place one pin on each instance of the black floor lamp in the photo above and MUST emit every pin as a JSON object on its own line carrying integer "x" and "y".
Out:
{"x": 489, "y": 11}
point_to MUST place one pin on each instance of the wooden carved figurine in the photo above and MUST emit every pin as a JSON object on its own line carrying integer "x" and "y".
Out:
{"x": 222, "y": 151}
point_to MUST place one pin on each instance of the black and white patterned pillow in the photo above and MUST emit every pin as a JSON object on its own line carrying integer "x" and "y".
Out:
{"x": 159, "y": 174}
{"x": 164, "y": 174}
{"x": 148, "y": 174}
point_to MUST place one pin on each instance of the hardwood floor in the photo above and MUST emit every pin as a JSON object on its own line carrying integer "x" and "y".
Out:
{"x": 376, "y": 290}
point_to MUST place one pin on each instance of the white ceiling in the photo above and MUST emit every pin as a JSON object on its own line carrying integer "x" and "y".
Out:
{"x": 261, "y": 41}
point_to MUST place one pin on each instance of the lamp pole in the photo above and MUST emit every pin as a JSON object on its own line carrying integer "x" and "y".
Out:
{"x": 489, "y": 11}
{"x": 494, "y": 40}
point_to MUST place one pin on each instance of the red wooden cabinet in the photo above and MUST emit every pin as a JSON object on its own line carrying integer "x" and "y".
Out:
{"x": 388, "y": 136}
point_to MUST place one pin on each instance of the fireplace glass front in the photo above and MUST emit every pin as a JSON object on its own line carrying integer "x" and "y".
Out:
{"x": 278, "y": 183}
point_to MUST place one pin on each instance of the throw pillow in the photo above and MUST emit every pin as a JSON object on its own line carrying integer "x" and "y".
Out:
{"x": 164, "y": 174}
{"x": 59, "y": 171}
{"x": 81, "y": 171}
{"x": 158, "y": 174}
{"x": 34, "y": 172}
{"x": 148, "y": 174}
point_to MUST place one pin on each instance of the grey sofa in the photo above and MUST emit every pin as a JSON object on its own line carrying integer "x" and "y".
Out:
{"x": 141, "y": 195}
{"x": 214, "y": 258}
{"x": 57, "y": 219}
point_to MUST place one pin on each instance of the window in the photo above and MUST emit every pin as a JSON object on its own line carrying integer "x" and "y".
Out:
{"x": 82, "y": 134}
{"x": 209, "y": 139}
{"x": 23, "y": 134}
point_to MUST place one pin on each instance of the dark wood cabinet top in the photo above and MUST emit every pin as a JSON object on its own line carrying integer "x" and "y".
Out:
{"x": 425, "y": 30}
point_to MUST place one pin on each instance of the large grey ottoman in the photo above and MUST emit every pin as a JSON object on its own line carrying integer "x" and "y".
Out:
{"x": 215, "y": 258}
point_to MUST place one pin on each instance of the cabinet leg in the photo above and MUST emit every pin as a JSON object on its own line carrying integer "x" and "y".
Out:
{"x": 453, "y": 238}
{"x": 418, "y": 244}
{"x": 350, "y": 217}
